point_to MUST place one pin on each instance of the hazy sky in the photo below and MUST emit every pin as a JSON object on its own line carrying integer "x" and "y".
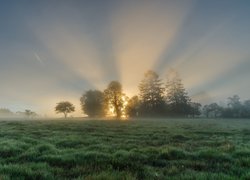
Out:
{"x": 54, "y": 50}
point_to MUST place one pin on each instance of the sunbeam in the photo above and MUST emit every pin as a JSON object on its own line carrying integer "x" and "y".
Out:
{"x": 141, "y": 32}
{"x": 52, "y": 51}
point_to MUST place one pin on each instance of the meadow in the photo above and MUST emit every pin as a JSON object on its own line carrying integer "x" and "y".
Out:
{"x": 126, "y": 149}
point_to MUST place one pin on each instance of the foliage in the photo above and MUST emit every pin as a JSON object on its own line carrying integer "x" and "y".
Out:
{"x": 132, "y": 107}
{"x": 212, "y": 110}
{"x": 64, "y": 107}
{"x": 92, "y": 103}
{"x": 246, "y": 109}
{"x": 235, "y": 106}
{"x": 195, "y": 109}
{"x": 151, "y": 95}
{"x": 235, "y": 109}
{"x": 177, "y": 97}
{"x": 29, "y": 113}
{"x": 155, "y": 100}
{"x": 114, "y": 97}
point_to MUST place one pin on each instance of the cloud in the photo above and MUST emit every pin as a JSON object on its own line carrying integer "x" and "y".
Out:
{"x": 38, "y": 59}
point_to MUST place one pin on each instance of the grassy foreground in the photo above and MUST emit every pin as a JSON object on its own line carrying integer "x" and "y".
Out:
{"x": 134, "y": 149}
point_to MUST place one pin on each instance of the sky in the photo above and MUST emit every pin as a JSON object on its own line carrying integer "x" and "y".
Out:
{"x": 55, "y": 50}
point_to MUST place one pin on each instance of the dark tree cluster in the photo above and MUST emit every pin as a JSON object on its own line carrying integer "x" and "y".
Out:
{"x": 155, "y": 99}
{"x": 235, "y": 109}
{"x": 93, "y": 103}
{"x": 96, "y": 103}
{"x": 6, "y": 113}
{"x": 169, "y": 99}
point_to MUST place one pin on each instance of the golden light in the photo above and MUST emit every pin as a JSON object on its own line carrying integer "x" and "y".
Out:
{"x": 125, "y": 103}
{"x": 111, "y": 109}
{"x": 140, "y": 36}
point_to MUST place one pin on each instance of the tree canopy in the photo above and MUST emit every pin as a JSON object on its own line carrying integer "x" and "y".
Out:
{"x": 154, "y": 99}
{"x": 93, "y": 104}
{"x": 64, "y": 107}
{"x": 132, "y": 107}
{"x": 176, "y": 96}
{"x": 115, "y": 98}
{"x": 151, "y": 93}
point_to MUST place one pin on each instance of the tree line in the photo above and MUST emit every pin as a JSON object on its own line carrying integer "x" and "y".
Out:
{"x": 155, "y": 99}
{"x": 235, "y": 109}
{"x": 6, "y": 113}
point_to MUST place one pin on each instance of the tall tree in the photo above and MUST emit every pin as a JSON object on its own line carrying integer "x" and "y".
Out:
{"x": 195, "y": 109}
{"x": 206, "y": 110}
{"x": 29, "y": 113}
{"x": 213, "y": 110}
{"x": 132, "y": 107}
{"x": 92, "y": 103}
{"x": 235, "y": 105}
{"x": 151, "y": 94}
{"x": 115, "y": 98}
{"x": 177, "y": 98}
{"x": 246, "y": 109}
{"x": 64, "y": 107}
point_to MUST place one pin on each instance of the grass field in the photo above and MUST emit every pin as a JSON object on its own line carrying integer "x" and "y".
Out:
{"x": 134, "y": 149}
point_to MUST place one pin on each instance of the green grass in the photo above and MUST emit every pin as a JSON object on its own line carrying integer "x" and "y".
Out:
{"x": 133, "y": 149}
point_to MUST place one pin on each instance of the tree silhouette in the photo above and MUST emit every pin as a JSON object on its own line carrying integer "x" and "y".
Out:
{"x": 92, "y": 103}
{"x": 235, "y": 106}
{"x": 151, "y": 94}
{"x": 64, "y": 107}
{"x": 177, "y": 98}
{"x": 246, "y": 109}
{"x": 206, "y": 110}
{"x": 195, "y": 109}
{"x": 29, "y": 113}
{"x": 114, "y": 97}
{"x": 132, "y": 107}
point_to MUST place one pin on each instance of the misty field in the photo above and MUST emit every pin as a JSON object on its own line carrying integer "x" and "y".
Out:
{"x": 132, "y": 149}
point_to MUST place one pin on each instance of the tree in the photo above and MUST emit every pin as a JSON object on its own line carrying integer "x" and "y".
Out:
{"x": 213, "y": 110}
{"x": 235, "y": 106}
{"x": 216, "y": 109}
{"x": 246, "y": 109}
{"x": 64, "y": 107}
{"x": 92, "y": 103}
{"x": 177, "y": 98}
{"x": 29, "y": 113}
{"x": 151, "y": 95}
{"x": 115, "y": 98}
{"x": 195, "y": 109}
{"x": 132, "y": 107}
{"x": 206, "y": 110}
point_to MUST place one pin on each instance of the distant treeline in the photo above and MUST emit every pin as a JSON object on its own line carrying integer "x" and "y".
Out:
{"x": 157, "y": 99}
{"x": 235, "y": 109}
{"x": 6, "y": 113}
